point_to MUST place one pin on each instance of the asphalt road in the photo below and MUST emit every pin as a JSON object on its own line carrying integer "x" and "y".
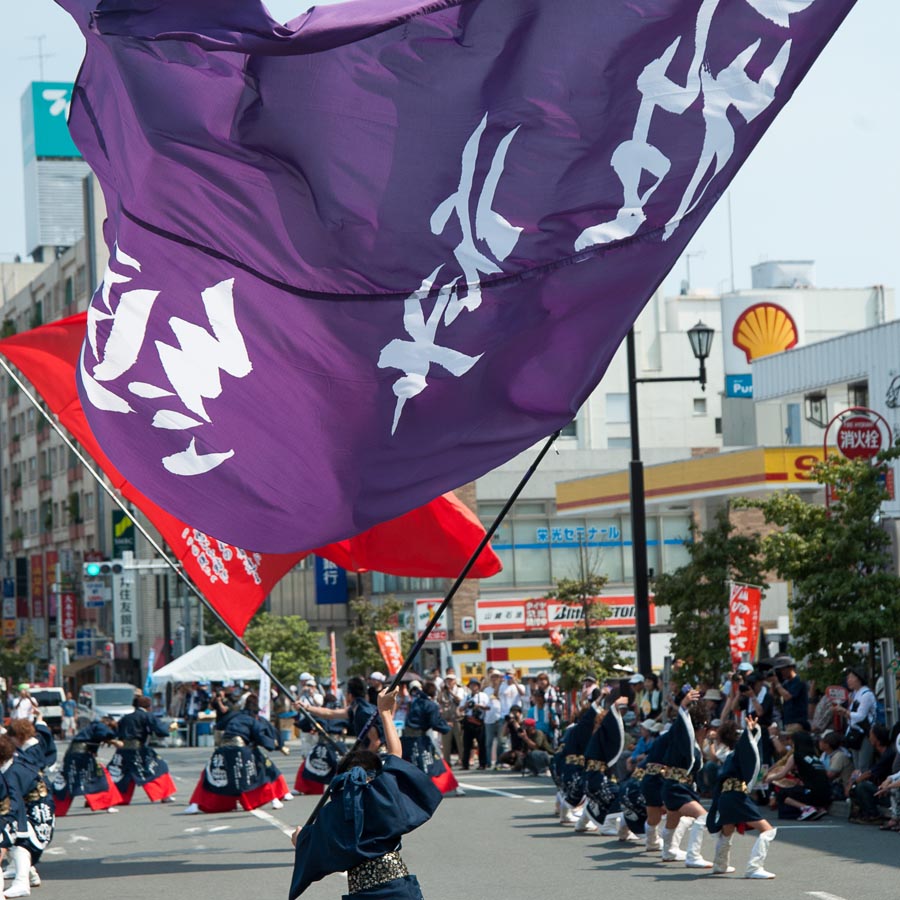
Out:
{"x": 498, "y": 842}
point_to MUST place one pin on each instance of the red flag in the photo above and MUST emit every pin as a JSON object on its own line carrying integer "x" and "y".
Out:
{"x": 433, "y": 541}
{"x": 743, "y": 621}
{"x": 391, "y": 650}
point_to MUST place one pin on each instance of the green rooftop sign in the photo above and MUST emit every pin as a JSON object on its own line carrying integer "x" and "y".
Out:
{"x": 45, "y": 132}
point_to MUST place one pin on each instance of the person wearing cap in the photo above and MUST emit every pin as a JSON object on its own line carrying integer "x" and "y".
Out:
{"x": 493, "y": 717}
{"x": 472, "y": 710}
{"x": 449, "y": 696}
{"x": 684, "y": 812}
{"x": 423, "y": 717}
{"x": 793, "y": 693}
{"x": 732, "y": 807}
{"x": 538, "y": 748}
{"x": 857, "y": 716}
{"x": 137, "y": 763}
{"x": 376, "y": 686}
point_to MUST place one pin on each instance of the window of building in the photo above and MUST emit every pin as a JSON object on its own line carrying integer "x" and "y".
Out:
{"x": 80, "y": 281}
{"x": 69, "y": 291}
{"x": 395, "y": 584}
{"x": 718, "y": 424}
{"x": 32, "y": 521}
{"x": 617, "y": 412}
{"x": 88, "y": 506}
{"x": 858, "y": 394}
{"x": 816, "y": 408}
{"x": 793, "y": 431}
{"x": 29, "y": 421}
{"x": 570, "y": 430}
{"x": 618, "y": 443}
{"x": 699, "y": 406}
{"x": 676, "y": 532}
{"x": 32, "y": 468}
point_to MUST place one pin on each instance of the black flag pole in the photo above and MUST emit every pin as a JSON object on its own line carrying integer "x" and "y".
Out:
{"x": 435, "y": 618}
{"x": 157, "y": 546}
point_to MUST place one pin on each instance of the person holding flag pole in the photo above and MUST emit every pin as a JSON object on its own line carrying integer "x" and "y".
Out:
{"x": 330, "y": 842}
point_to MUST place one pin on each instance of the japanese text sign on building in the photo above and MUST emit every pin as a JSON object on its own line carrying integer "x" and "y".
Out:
{"x": 743, "y": 621}
{"x": 331, "y": 582}
{"x": 425, "y": 609}
{"x": 124, "y": 609}
{"x": 37, "y": 586}
{"x": 548, "y": 615}
{"x": 67, "y": 616}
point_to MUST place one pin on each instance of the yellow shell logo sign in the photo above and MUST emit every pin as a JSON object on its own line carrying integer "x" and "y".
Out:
{"x": 763, "y": 329}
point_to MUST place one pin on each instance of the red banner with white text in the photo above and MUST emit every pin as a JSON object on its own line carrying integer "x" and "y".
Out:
{"x": 389, "y": 645}
{"x": 743, "y": 621}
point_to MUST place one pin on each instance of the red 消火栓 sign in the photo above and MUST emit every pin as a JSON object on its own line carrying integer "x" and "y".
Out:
{"x": 859, "y": 437}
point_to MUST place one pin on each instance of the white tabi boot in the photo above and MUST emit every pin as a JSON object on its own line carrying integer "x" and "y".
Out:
{"x": 34, "y": 879}
{"x": 567, "y": 814}
{"x": 671, "y": 838}
{"x": 723, "y": 855}
{"x": 694, "y": 859}
{"x": 586, "y": 823}
{"x": 651, "y": 833}
{"x": 20, "y": 886}
{"x": 610, "y": 826}
{"x": 556, "y": 807}
{"x": 757, "y": 856}
{"x": 625, "y": 833}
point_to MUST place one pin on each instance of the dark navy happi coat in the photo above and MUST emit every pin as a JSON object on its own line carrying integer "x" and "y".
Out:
{"x": 363, "y": 820}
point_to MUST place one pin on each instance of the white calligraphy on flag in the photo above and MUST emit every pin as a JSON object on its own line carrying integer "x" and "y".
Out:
{"x": 193, "y": 364}
{"x": 416, "y": 356}
{"x": 732, "y": 88}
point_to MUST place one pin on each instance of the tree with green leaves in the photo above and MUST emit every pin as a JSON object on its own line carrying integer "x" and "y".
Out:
{"x": 294, "y": 646}
{"x": 697, "y": 595}
{"x": 360, "y": 641}
{"x": 845, "y": 590}
{"x": 16, "y": 656}
{"x": 588, "y": 647}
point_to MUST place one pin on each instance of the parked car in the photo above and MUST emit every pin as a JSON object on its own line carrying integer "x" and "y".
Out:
{"x": 50, "y": 700}
{"x": 105, "y": 699}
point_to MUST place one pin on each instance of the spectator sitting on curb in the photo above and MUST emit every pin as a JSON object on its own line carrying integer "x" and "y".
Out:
{"x": 864, "y": 785}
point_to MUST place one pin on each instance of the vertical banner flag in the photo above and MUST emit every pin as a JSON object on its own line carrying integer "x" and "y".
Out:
{"x": 68, "y": 617}
{"x": 265, "y": 689}
{"x": 151, "y": 664}
{"x": 334, "y": 675}
{"x": 362, "y": 258}
{"x": 391, "y": 650}
{"x": 38, "y": 609}
{"x": 743, "y": 621}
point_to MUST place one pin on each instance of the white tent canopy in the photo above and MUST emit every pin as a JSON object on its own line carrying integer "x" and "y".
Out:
{"x": 213, "y": 662}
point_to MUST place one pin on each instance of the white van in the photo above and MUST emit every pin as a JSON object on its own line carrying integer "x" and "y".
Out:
{"x": 50, "y": 700}
{"x": 105, "y": 699}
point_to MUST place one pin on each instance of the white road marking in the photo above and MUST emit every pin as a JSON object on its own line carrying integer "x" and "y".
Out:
{"x": 216, "y": 828}
{"x": 55, "y": 851}
{"x": 475, "y": 787}
{"x": 78, "y": 838}
{"x": 192, "y": 830}
{"x": 823, "y": 895}
{"x": 271, "y": 820}
{"x": 805, "y": 827}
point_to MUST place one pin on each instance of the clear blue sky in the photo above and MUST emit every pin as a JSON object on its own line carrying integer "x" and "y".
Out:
{"x": 823, "y": 184}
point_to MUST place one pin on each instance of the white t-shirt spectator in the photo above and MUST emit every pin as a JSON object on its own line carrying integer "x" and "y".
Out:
{"x": 511, "y": 694}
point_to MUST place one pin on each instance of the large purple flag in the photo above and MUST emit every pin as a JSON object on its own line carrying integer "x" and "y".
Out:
{"x": 362, "y": 258}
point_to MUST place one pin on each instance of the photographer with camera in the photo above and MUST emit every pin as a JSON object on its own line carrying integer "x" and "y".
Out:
{"x": 785, "y": 684}
{"x": 472, "y": 711}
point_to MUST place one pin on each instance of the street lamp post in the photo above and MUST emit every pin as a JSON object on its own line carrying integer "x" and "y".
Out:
{"x": 700, "y": 337}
